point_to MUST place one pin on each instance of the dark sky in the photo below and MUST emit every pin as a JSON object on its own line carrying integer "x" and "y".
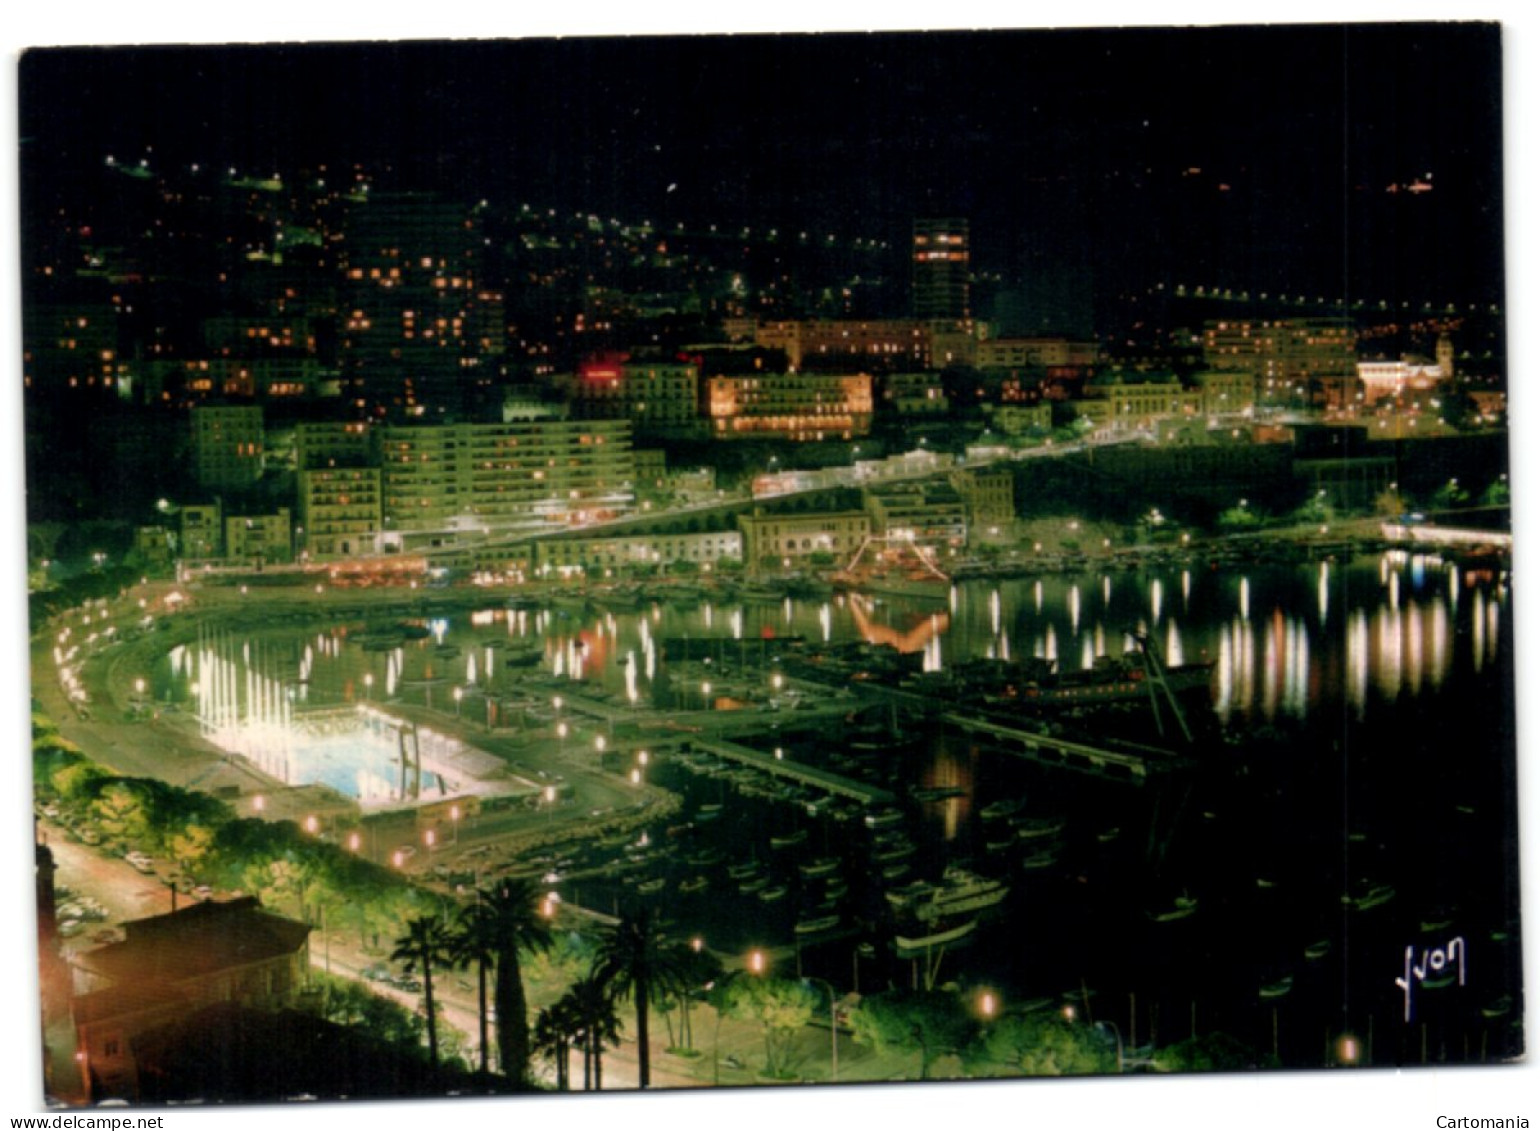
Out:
{"x": 1068, "y": 150}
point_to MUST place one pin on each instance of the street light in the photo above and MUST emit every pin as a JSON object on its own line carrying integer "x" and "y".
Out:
{"x": 1348, "y": 1050}
{"x": 989, "y": 1004}
{"x": 834, "y": 1029}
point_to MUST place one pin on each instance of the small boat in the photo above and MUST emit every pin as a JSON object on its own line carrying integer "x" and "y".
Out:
{"x": 1276, "y": 989}
{"x": 937, "y": 793}
{"x": 999, "y": 810}
{"x": 823, "y": 866}
{"x": 1376, "y": 896}
{"x": 1180, "y": 908}
{"x": 789, "y": 840}
{"x": 895, "y": 870}
{"x": 1037, "y": 828}
{"x": 773, "y": 894}
{"x": 883, "y": 818}
{"x": 1498, "y": 1007}
{"x": 524, "y": 656}
{"x": 709, "y": 812}
{"x": 753, "y": 884}
{"x": 1318, "y": 949}
{"x": 694, "y": 884}
{"x": 814, "y": 926}
{"x": 648, "y": 887}
{"x": 913, "y": 945}
{"x": 743, "y": 871}
{"x": 1042, "y": 858}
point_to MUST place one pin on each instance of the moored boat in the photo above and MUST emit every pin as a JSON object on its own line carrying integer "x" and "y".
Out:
{"x": 913, "y": 942}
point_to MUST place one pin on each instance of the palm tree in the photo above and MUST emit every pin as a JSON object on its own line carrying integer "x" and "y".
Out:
{"x": 475, "y": 942}
{"x": 635, "y": 958}
{"x": 589, "y": 1007}
{"x": 425, "y": 944}
{"x": 516, "y": 924}
{"x": 551, "y": 1037}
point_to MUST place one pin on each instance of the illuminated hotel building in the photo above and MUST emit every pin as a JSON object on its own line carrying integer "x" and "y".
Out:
{"x": 453, "y": 483}
{"x": 924, "y": 511}
{"x": 1126, "y": 406}
{"x": 259, "y": 539}
{"x": 227, "y": 445}
{"x": 1047, "y": 353}
{"x": 332, "y": 443}
{"x": 70, "y": 346}
{"x": 651, "y": 394}
{"x": 1227, "y": 391}
{"x": 1392, "y": 378}
{"x": 789, "y": 406}
{"x": 941, "y": 261}
{"x": 915, "y": 394}
{"x": 792, "y": 538}
{"x": 895, "y": 343}
{"x": 339, "y": 511}
{"x": 637, "y": 550}
{"x": 200, "y": 534}
{"x": 1292, "y": 360}
{"x": 419, "y": 329}
{"x": 988, "y": 494}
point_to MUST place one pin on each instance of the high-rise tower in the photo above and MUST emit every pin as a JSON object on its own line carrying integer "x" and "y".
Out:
{"x": 941, "y": 263}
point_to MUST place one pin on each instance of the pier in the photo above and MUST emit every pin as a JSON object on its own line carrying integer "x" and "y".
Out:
{"x": 1132, "y": 763}
{"x": 793, "y": 771}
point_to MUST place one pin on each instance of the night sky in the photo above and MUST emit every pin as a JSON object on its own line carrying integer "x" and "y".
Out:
{"x": 1249, "y": 157}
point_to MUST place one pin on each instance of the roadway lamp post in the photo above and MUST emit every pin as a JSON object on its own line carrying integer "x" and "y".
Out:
{"x": 834, "y": 1030}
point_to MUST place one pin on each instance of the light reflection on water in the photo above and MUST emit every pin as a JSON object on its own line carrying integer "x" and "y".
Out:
{"x": 1286, "y": 641}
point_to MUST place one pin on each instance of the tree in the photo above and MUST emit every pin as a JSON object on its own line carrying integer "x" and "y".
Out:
{"x": 781, "y": 1006}
{"x": 551, "y": 1037}
{"x": 928, "y": 1021}
{"x": 424, "y": 946}
{"x": 191, "y": 846}
{"x": 1040, "y": 1044}
{"x": 516, "y": 924}
{"x": 589, "y": 1009}
{"x": 635, "y": 958}
{"x": 475, "y": 941}
{"x": 1240, "y": 517}
{"x": 120, "y": 813}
